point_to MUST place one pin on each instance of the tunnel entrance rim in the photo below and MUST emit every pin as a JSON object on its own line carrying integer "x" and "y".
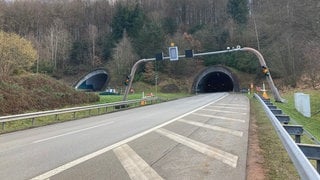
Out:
{"x": 90, "y": 75}
{"x": 216, "y": 69}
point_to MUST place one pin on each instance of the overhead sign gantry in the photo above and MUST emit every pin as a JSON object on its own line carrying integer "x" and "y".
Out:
{"x": 174, "y": 56}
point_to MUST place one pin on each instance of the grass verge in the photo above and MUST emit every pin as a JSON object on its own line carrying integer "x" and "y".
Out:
{"x": 276, "y": 162}
{"x": 162, "y": 96}
{"x": 311, "y": 124}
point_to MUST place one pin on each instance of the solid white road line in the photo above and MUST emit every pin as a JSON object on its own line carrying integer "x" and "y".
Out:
{"x": 106, "y": 149}
{"x": 220, "y": 117}
{"x": 135, "y": 166}
{"x": 215, "y": 128}
{"x": 221, "y": 111}
{"x": 218, "y": 154}
{"x": 225, "y": 107}
{"x": 235, "y": 105}
{"x": 72, "y": 132}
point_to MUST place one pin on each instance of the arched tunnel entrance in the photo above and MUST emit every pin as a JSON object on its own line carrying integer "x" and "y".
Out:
{"x": 216, "y": 79}
{"x": 94, "y": 81}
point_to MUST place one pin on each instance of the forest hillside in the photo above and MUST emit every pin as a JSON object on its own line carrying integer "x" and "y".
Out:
{"x": 68, "y": 38}
{"x": 79, "y": 35}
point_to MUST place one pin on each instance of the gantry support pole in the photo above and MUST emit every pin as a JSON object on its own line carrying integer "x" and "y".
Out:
{"x": 274, "y": 90}
{"x": 133, "y": 71}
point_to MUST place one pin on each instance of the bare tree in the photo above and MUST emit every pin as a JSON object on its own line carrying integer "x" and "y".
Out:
{"x": 59, "y": 43}
{"x": 93, "y": 31}
{"x": 312, "y": 55}
{"x": 122, "y": 60}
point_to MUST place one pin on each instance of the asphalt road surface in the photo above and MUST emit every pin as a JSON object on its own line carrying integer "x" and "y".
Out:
{"x": 200, "y": 137}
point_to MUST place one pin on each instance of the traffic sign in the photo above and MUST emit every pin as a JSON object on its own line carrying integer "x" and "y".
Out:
{"x": 173, "y": 53}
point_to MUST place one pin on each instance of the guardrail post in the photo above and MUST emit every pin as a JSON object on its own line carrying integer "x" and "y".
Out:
{"x": 32, "y": 121}
{"x": 74, "y": 115}
{"x": 56, "y": 118}
{"x": 276, "y": 111}
{"x": 296, "y": 130}
{"x": 311, "y": 152}
{"x": 272, "y": 107}
{"x": 285, "y": 119}
{"x": 3, "y": 125}
{"x": 268, "y": 103}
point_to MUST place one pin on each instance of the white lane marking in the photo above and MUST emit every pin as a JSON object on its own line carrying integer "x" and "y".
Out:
{"x": 225, "y": 107}
{"x": 236, "y": 105}
{"x": 135, "y": 166}
{"x": 220, "y": 117}
{"x": 223, "y": 156}
{"x": 101, "y": 151}
{"x": 214, "y": 110}
{"x": 72, "y": 132}
{"x": 215, "y": 128}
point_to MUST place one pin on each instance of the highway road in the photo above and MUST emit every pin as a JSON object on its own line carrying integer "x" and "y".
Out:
{"x": 199, "y": 137}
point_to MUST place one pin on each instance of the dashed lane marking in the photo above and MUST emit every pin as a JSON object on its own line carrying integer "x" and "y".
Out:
{"x": 218, "y": 154}
{"x": 221, "y": 111}
{"x": 135, "y": 166}
{"x": 220, "y": 117}
{"x": 215, "y": 128}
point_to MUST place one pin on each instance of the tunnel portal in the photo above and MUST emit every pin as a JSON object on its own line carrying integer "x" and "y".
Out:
{"x": 216, "y": 79}
{"x": 94, "y": 81}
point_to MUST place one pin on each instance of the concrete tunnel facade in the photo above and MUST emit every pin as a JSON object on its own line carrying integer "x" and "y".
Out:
{"x": 215, "y": 79}
{"x": 94, "y": 81}
{"x": 210, "y": 80}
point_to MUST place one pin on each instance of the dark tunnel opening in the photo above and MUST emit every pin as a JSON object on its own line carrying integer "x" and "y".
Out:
{"x": 96, "y": 82}
{"x": 215, "y": 82}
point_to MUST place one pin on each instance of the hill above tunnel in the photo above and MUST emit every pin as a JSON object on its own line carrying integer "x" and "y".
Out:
{"x": 34, "y": 92}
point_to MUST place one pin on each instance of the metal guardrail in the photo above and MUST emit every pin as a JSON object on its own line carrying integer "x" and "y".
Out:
{"x": 120, "y": 105}
{"x": 300, "y": 161}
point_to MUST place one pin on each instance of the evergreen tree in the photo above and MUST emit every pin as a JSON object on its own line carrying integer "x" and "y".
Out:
{"x": 127, "y": 19}
{"x": 169, "y": 25}
{"x": 79, "y": 52}
{"x": 238, "y": 9}
{"x": 149, "y": 40}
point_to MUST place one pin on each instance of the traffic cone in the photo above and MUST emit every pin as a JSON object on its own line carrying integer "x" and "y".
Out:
{"x": 265, "y": 95}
